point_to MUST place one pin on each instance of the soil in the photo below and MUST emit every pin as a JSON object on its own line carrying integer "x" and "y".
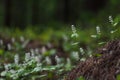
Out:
{"x": 105, "y": 67}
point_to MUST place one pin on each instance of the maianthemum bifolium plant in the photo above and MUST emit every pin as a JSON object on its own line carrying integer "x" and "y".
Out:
{"x": 31, "y": 66}
{"x": 35, "y": 65}
{"x": 39, "y": 66}
{"x": 111, "y": 33}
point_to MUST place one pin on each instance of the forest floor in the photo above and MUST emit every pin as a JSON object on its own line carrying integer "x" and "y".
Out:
{"x": 105, "y": 67}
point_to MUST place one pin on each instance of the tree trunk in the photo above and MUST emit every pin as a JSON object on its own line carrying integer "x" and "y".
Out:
{"x": 7, "y": 12}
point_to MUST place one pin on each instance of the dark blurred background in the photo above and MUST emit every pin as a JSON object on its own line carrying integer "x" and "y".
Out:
{"x": 23, "y": 13}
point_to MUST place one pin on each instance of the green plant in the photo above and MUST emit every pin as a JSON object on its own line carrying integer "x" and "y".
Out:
{"x": 31, "y": 66}
{"x": 109, "y": 33}
{"x": 80, "y": 78}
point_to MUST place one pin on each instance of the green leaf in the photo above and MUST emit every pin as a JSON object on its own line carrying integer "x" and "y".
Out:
{"x": 101, "y": 43}
{"x": 118, "y": 77}
{"x": 80, "y": 78}
{"x": 98, "y": 55}
{"x": 3, "y": 73}
{"x": 1, "y": 51}
{"x": 50, "y": 52}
